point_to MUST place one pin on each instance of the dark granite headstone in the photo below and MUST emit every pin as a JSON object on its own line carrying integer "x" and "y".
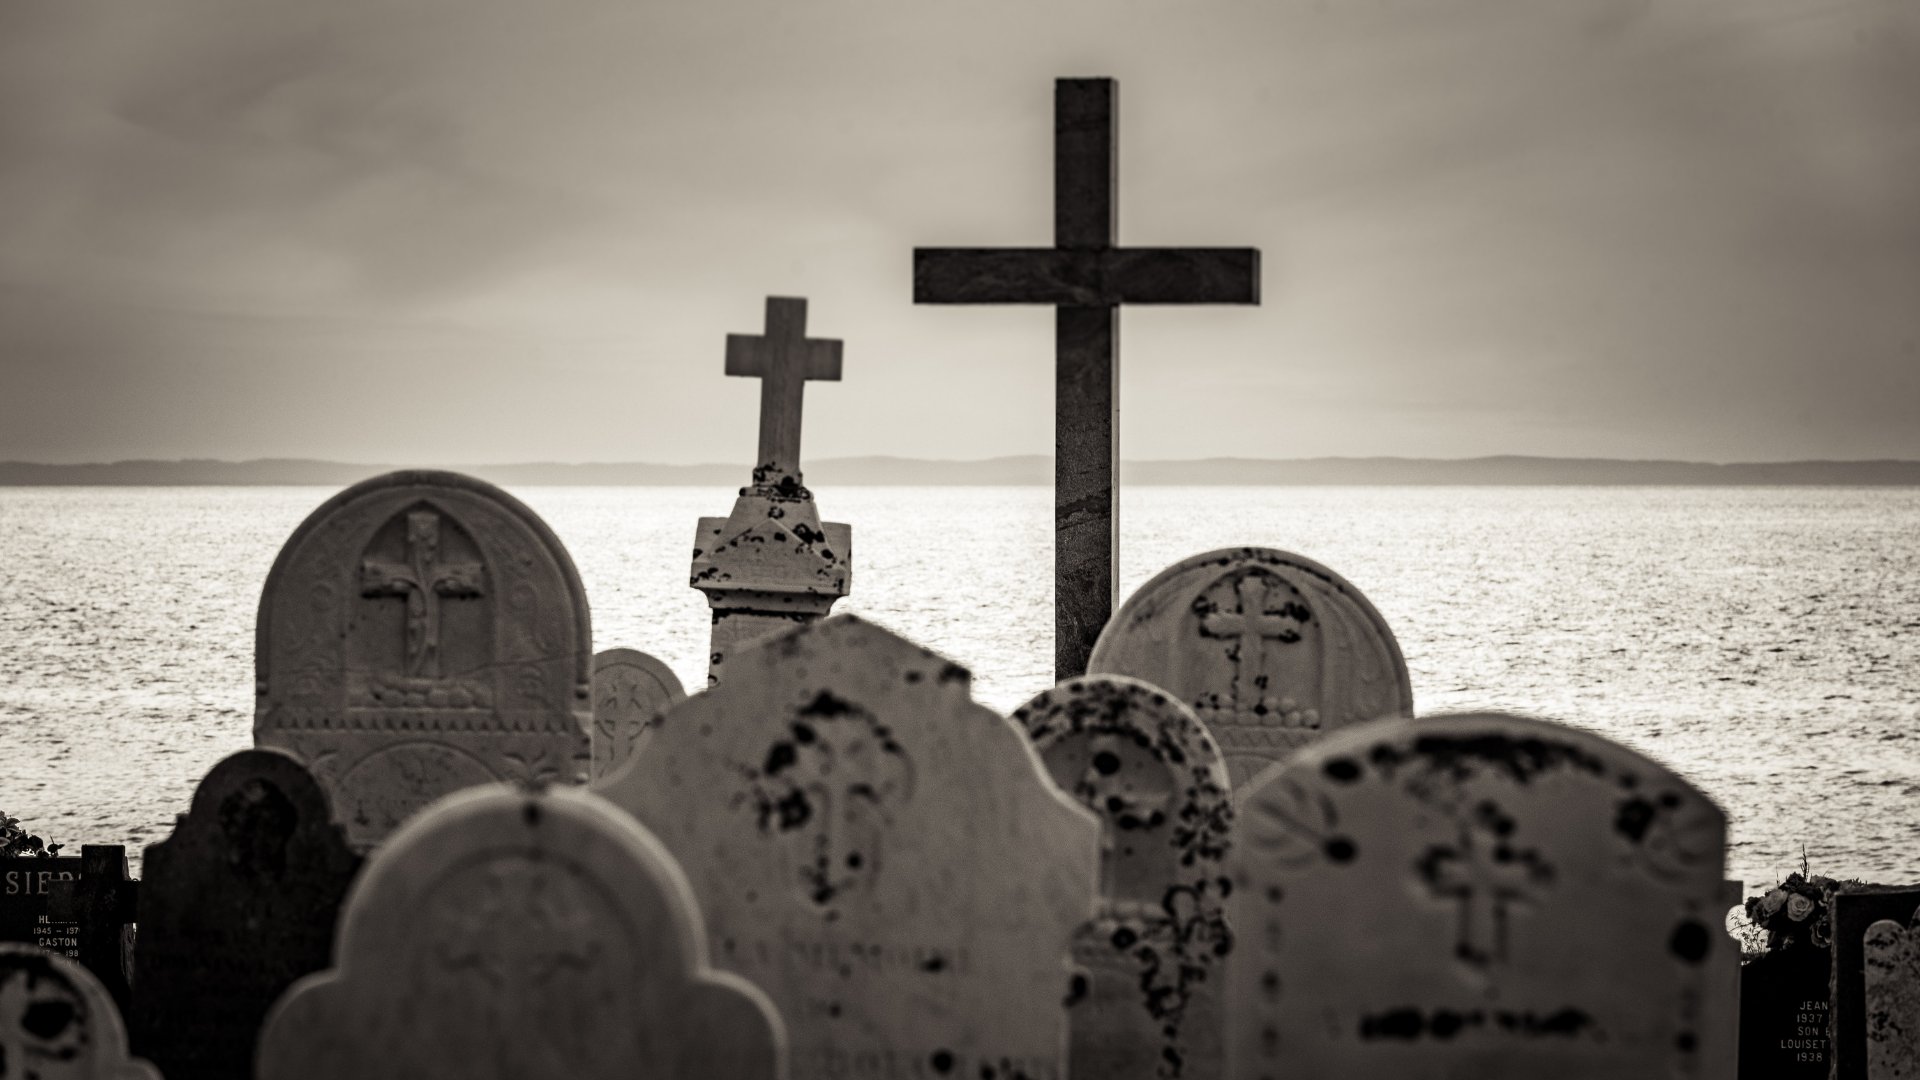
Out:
{"x": 101, "y": 904}
{"x": 1783, "y": 1015}
{"x": 26, "y": 900}
{"x": 238, "y": 903}
{"x": 1854, "y": 909}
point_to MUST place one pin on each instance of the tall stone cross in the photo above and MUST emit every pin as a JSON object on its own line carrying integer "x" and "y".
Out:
{"x": 784, "y": 359}
{"x": 1086, "y": 278}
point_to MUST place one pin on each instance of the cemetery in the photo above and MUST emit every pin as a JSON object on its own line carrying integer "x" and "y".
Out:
{"x": 1225, "y": 846}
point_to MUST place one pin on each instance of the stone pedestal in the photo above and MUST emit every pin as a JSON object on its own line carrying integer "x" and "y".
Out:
{"x": 768, "y": 566}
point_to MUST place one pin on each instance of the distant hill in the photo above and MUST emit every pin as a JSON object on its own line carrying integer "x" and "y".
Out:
{"x": 1026, "y": 470}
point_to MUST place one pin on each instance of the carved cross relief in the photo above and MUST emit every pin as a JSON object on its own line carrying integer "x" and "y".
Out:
{"x": 422, "y": 581}
{"x": 1257, "y": 618}
{"x": 1488, "y": 885}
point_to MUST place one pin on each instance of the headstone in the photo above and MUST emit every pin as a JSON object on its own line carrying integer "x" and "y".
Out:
{"x": 531, "y": 935}
{"x": 26, "y": 897}
{"x": 629, "y": 689}
{"x": 238, "y": 903}
{"x": 1477, "y": 895}
{"x": 772, "y": 563}
{"x": 422, "y": 632}
{"x": 58, "y": 1023}
{"x": 1149, "y": 1006}
{"x": 1085, "y": 277}
{"x": 101, "y": 904}
{"x": 881, "y": 855}
{"x": 1269, "y": 649}
{"x": 1784, "y": 1015}
{"x": 1720, "y": 1030}
{"x": 1873, "y": 957}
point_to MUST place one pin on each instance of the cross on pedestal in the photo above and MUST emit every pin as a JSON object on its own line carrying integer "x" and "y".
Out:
{"x": 1086, "y": 278}
{"x": 783, "y": 359}
{"x": 1251, "y": 626}
{"x": 422, "y": 580}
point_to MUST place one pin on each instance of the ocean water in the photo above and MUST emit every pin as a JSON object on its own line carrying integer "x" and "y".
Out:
{"x": 1763, "y": 642}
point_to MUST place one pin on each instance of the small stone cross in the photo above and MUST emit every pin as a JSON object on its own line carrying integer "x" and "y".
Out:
{"x": 783, "y": 359}
{"x": 422, "y": 580}
{"x": 1485, "y": 888}
{"x": 1251, "y": 625}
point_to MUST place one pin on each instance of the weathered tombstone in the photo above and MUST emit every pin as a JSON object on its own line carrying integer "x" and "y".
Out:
{"x": 629, "y": 689}
{"x": 101, "y": 904}
{"x": 772, "y": 563}
{"x": 58, "y": 1023}
{"x": 881, "y": 855}
{"x": 1269, "y": 649}
{"x": 419, "y": 633}
{"x": 26, "y": 898}
{"x": 1784, "y": 1015}
{"x": 238, "y": 903}
{"x": 1720, "y": 1029}
{"x": 523, "y": 934}
{"x": 1875, "y": 1025}
{"x": 1149, "y": 1006}
{"x": 1475, "y": 895}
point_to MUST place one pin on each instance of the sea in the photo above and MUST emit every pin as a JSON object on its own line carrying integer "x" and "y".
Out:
{"x": 1762, "y": 642}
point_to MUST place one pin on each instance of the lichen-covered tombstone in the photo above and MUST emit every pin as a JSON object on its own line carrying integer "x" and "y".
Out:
{"x": 58, "y": 1023}
{"x": 1892, "y": 990}
{"x": 419, "y": 633}
{"x": 1270, "y": 650}
{"x": 1148, "y": 1005}
{"x": 1475, "y": 895}
{"x": 880, "y": 854}
{"x": 629, "y": 689}
{"x": 508, "y": 934}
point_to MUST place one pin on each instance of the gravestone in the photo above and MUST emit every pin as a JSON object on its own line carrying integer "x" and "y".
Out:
{"x": 1149, "y": 1006}
{"x": 881, "y": 855}
{"x": 1873, "y": 957}
{"x": 26, "y": 898}
{"x": 629, "y": 689}
{"x": 1269, "y": 649}
{"x": 1720, "y": 1030}
{"x": 523, "y": 934}
{"x": 1475, "y": 895}
{"x": 58, "y": 1023}
{"x": 1784, "y": 1015}
{"x": 772, "y": 564}
{"x": 238, "y": 903}
{"x": 101, "y": 905}
{"x": 419, "y": 633}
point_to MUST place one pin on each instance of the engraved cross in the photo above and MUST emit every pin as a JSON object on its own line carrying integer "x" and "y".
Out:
{"x": 1486, "y": 889}
{"x": 783, "y": 358}
{"x": 422, "y": 580}
{"x": 1251, "y": 625}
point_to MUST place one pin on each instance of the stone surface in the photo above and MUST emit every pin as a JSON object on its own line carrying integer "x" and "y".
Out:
{"x": 419, "y": 633}
{"x": 100, "y": 905}
{"x": 1086, "y": 278}
{"x": 1270, "y": 650}
{"x": 881, "y": 855}
{"x": 521, "y": 935}
{"x": 772, "y": 564}
{"x": 629, "y": 689}
{"x": 1784, "y": 1015}
{"x": 238, "y": 903}
{"x": 26, "y": 898}
{"x": 58, "y": 1023}
{"x": 1152, "y": 957}
{"x": 1872, "y": 946}
{"x": 1481, "y": 896}
{"x": 1720, "y": 1029}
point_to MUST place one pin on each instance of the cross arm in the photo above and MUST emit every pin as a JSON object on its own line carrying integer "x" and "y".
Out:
{"x": 747, "y": 356}
{"x": 1086, "y": 278}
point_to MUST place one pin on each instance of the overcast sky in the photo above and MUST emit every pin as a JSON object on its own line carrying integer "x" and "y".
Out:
{"x": 491, "y": 230}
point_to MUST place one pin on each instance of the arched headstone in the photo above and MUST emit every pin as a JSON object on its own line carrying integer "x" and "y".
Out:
{"x": 629, "y": 689}
{"x": 1269, "y": 649}
{"x": 238, "y": 903}
{"x": 58, "y": 1023}
{"x": 419, "y": 633}
{"x": 1892, "y": 988}
{"x": 1475, "y": 895}
{"x": 538, "y": 935}
{"x": 881, "y": 855}
{"x": 1153, "y": 956}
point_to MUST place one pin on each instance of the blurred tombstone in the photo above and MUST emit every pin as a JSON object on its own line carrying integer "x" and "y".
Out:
{"x": 880, "y": 854}
{"x": 58, "y": 1023}
{"x": 1152, "y": 957}
{"x": 629, "y": 689}
{"x": 1875, "y": 1011}
{"x": 1891, "y": 992}
{"x": 238, "y": 903}
{"x": 1474, "y": 895}
{"x": 1269, "y": 649}
{"x": 1720, "y": 1030}
{"x": 532, "y": 935}
{"x": 419, "y": 633}
{"x": 26, "y": 899}
{"x": 101, "y": 905}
